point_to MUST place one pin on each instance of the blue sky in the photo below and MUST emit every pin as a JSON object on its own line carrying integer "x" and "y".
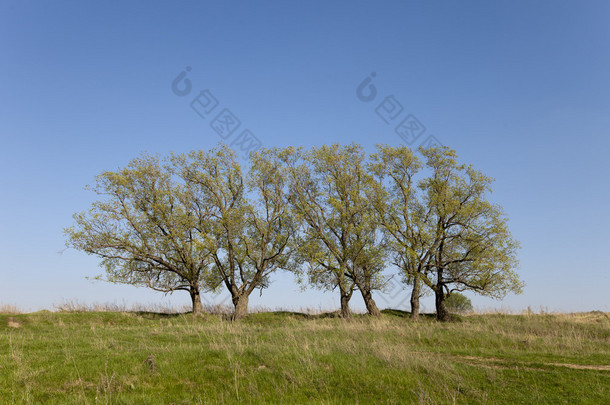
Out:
{"x": 520, "y": 89}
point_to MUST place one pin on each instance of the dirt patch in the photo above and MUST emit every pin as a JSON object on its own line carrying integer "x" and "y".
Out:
{"x": 13, "y": 322}
{"x": 80, "y": 383}
{"x": 581, "y": 366}
{"x": 497, "y": 363}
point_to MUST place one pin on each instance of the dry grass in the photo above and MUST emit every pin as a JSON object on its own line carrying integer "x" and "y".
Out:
{"x": 77, "y": 306}
{"x": 153, "y": 357}
{"x": 9, "y": 309}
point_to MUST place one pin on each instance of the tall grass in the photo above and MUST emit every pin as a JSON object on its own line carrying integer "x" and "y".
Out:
{"x": 294, "y": 357}
{"x": 9, "y": 309}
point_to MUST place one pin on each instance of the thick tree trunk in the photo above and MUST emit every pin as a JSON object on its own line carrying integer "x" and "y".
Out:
{"x": 241, "y": 306}
{"x": 441, "y": 311}
{"x": 415, "y": 297}
{"x": 371, "y": 307}
{"x": 196, "y": 300}
{"x": 345, "y": 311}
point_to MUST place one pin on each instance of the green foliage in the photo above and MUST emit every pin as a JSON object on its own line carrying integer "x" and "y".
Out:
{"x": 143, "y": 230}
{"x": 196, "y": 222}
{"x": 443, "y": 231}
{"x": 329, "y": 189}
{"x": 247, "y": 237}
{"x": 189, "y": 225}
{"x": 458, "y": 303}
{"x": 473, "y": 248}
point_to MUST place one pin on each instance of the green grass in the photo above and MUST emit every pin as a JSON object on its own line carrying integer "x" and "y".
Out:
{"x": 101, "y": 357}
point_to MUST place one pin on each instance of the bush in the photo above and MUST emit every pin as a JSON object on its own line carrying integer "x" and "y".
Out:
{"x": 458, "y": 303}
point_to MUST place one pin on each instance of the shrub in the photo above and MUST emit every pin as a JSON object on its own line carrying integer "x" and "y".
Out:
{"x": 458, "y": 303}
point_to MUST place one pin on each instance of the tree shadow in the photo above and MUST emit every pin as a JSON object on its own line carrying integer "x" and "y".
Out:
{"x": 396, "y": 312}
{"x": 300, "y": 315}
{"x": 159, "y": 315}
{"x": 406, "y": 314}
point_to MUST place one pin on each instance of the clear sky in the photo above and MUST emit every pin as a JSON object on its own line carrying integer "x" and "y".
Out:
{"x": 520, "y": 89}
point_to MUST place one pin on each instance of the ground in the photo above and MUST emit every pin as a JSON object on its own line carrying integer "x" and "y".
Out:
{"x": 143, "y": 357}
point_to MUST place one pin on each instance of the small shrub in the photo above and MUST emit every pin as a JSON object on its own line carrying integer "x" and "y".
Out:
{"x": 458, "y": 303}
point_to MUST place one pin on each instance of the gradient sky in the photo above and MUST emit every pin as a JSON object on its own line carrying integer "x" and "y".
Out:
{"x": 520, "y": 89}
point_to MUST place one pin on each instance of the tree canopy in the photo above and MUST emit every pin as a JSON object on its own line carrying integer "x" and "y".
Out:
{"x": 332, "y": 215}
{"x": 144, "y": 231}
{"x": 339, "y": 240}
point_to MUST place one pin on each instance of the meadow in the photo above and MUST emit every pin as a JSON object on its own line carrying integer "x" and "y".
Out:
{"x": 143, "y": 357}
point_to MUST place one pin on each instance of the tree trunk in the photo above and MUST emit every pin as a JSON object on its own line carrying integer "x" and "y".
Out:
{"x": 196, "y": 299}
{"x": 345, "y": 311}
{"x": 441, "y": 311}
{"x": 415, "y": 297}
{"x": 241, "y": 306}
{"x": 371, "y": 307}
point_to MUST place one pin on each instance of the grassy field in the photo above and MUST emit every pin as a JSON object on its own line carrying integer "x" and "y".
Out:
{"x": 141, "y": 358}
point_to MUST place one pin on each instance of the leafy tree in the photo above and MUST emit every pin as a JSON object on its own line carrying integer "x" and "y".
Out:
{"x": 369, "y": 261}
{"x": 144, "y": 232}
{"x": 247, "y": 239}
{"x": 458, "y": 303}
{"x": 473, "y": 248}
{"x": 195, "y": 223}
{"x": 400, "y": 212}
{"x": 339, "y": 240}
{"x": 271, "y": 227}
{"x": 442, "y": 230}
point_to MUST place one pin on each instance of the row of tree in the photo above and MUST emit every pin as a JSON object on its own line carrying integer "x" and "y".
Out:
{"x": 334, "y": 216}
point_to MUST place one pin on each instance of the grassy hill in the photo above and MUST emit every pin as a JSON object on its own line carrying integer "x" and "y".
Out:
{"x": 140, "y": 357}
